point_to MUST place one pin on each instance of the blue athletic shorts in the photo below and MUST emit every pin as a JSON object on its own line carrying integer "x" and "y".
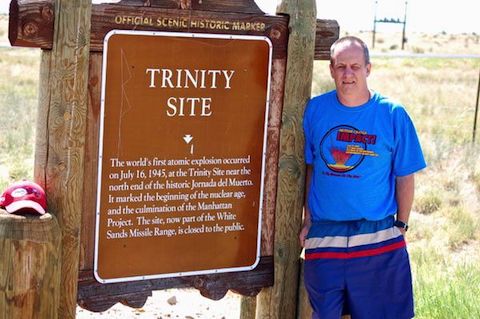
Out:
{"x": 359, "y": 268}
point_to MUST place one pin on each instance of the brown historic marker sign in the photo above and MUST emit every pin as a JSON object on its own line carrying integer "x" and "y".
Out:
{"x": 181, "y": 155}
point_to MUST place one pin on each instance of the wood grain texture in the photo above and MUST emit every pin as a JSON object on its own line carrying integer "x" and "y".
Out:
{"x": 106, "y": 17}
{"x": 87, "y": 235}
{"x": 271, "y": 167}
{"x": 41, "y": 133}
{"x": 95, "y": 296}
{"x": 248, "y": 306}
{"x": 29, "y": 266}
{"x": 280, "y": 301}
{"x": 31, "y": 23}
{"x": 326, "y": 32}
{"x": 65, "y": 122}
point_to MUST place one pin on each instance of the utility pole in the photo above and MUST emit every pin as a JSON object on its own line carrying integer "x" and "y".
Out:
{"x": 374, "y": 25}
{"x": 389, "y": 20}
{"x": 404, "y": 24}
{"x": 475, "y": 117}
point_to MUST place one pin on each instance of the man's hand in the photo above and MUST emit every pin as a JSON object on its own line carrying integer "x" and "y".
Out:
{"x": 402, "y": 230}
{"x": 306, "y": 212}
{"x": 303, "y": 233}
{"x": 404, "y": 187}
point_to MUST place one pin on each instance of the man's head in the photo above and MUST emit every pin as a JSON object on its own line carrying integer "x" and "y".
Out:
{"x": 350, "y": 67}
{"x": 347, "y": 41}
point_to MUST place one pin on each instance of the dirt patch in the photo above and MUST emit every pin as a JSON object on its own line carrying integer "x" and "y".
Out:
{"x": 173, "y": 303}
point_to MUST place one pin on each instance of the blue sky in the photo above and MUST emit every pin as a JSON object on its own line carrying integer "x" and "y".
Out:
{"x": 422, "y": 15}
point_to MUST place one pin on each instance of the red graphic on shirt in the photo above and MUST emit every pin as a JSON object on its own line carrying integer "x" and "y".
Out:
{"x": 344, "y": 147}
{"x": 355, "y": 136}
{"x": 340, "y": 157}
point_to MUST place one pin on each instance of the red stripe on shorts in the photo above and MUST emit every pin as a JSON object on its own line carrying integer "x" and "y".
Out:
{"x": 355, "y": 254}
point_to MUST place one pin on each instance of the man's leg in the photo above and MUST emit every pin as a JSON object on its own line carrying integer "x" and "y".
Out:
{"x": 324, "y": 274}
{"x": 324, "y": 282}
{"x": 378, "y": 276}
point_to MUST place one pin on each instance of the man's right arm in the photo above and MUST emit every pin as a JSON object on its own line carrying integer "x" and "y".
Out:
{"x": 306, "y": 210}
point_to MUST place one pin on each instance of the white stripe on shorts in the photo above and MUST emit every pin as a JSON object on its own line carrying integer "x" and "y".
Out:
{"x": 352, "y": 241}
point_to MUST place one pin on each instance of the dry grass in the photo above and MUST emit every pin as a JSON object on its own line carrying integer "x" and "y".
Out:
{"x": 439, "y": 43}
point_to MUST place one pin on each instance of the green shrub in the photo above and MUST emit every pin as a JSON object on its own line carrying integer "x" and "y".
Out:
{"x": 427, "y": 203}
{"x": 461, "y": 228}
{"x": 447, "y": 293}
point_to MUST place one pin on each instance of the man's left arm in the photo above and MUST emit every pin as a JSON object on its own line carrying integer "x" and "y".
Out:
{"x": 404, "y": 190}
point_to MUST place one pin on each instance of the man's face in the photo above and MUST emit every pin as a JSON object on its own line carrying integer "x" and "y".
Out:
{"x": 349, "y": 70}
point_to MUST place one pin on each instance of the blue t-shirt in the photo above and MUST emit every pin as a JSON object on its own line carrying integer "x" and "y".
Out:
{"x": 356, "y": 153}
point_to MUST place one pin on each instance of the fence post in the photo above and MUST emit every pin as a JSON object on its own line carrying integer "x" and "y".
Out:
{"x": 29, "y": 266}
{"x": 280, "y": 301}
{"x": 60, "y": 140}
{"x": 475, "y": 117}
{"x": 248, "y": 306}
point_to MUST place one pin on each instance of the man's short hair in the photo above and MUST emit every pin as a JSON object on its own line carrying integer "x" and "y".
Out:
{"x": 350, "y": 39}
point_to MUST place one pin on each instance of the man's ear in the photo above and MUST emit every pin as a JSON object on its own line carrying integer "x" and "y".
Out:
{"x": 369, "y": 68}
{"x": 331, "y": 70}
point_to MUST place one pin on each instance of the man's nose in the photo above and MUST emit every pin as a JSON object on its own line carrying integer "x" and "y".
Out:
{"x": 348, "y": 71}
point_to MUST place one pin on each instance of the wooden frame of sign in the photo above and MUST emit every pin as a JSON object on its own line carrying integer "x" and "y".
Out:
{"x": 31, "y": 24}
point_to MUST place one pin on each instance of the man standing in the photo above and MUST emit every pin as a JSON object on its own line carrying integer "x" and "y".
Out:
{"x": 361, "y": 151}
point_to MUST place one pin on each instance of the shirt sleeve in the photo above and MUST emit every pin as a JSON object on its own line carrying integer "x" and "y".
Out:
{"x": 408, "y": 156}
{"x": 307, "y": 134}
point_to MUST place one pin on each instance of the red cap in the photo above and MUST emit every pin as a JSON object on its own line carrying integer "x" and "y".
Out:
{"x": 24, "y": 197}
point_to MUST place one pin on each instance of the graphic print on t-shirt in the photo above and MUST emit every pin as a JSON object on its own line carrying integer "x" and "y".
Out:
{"x": 344, "y": 147}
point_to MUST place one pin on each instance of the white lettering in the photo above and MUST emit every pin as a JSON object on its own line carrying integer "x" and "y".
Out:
{"x": 167, "y": 78}
{"x": 228, "y": 78}
{"x": 184, "y": 78}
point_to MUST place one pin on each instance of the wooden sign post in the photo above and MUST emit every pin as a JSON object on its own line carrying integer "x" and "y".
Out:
{"x": 193, "y": 99}
{"x": 60, "y": 138}
{"x": 29, "y": 266}
{"x": 280, "y": 301}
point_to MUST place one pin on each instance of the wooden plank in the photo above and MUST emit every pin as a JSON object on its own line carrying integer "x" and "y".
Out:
{"x": 87, "y": 235}
{"x": 65, "y": 122}
{"x": 280, "y": 301}
{"x": 41, "y": 133}
{"x": 95, "y": 296}
{"x": 108, "y": 17}
{"x": 326, "y": 32}
{"x": 248, "y": 306}
{"x": 29, "y": 266}
{"x": 271, "y": 167}
{"x": 31, "y": 24}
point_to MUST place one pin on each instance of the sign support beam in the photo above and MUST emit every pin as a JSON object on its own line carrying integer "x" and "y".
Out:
{"x": 280, "y": 301}
{"x": 60, "y": 142}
